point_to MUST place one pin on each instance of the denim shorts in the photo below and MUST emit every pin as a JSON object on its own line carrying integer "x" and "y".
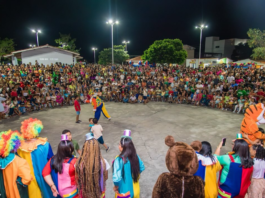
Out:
{"x": 100, "y": 140}
{"x": 77, "y": 112}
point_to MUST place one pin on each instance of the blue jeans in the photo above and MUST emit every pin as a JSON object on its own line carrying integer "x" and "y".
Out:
{"x": 22, "y": 109}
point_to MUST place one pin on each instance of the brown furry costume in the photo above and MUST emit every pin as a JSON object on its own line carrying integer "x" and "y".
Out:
{"x": 182, "y": 163}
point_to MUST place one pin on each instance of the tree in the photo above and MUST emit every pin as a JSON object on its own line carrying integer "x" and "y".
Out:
{"x": 257, "y": 42}
{"x": 241, "y": 51}
{"x": 6, "y": 46}
{"x": 120, "y": 55}
{"x": 66, "y": 42}
{"x": 166, "y": 51}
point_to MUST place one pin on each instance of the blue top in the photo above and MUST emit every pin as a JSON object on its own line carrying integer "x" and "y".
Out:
{"x": 125, "y": 184}
{"x": 7, "y": 160}
{"x": 90, "y": 125}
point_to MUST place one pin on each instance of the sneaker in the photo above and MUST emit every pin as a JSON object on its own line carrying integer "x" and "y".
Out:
{"x": 109, "y": 119}
{"x": 79, "y": 120}
{"x": 107, "y": 149}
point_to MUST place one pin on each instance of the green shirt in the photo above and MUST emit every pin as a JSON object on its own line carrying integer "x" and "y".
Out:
{"x": 76, "y": 146}
{"x": 241, "y": 93}
{"x": 225, "y": 162}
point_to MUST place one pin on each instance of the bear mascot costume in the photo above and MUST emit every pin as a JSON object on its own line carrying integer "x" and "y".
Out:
{"x": 182, "y": 163}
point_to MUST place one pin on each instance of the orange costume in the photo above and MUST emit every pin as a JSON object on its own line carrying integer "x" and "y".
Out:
{"x": 14, "y": 171}
{"x": 253, "y": 117}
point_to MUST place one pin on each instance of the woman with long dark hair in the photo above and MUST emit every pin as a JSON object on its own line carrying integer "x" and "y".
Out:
{"x": 127, "y": 168}
{"x": 210, "y": 166}
{"x": 237, "y": 170}
{"x": 59, "y": 172}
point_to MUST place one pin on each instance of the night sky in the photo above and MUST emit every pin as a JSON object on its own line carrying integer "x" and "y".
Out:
{"x": 141, "y": 21}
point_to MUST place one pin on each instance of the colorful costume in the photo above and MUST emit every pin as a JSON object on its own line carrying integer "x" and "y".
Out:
{"x": 207, "y": 171}
{"x": 122, "y": 174}
{"x": 15, "y": 171}
{"x": 249, "y": 126}
{"x": 234, "y": 179}
{"x": 98, "y": 107}
{"x": 36, "y": 151}
{"x": 65, "y": 181}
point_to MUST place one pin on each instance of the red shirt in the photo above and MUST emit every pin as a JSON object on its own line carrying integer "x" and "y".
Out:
{"x": 260, "y": 93}
{"x": 171, "y": 92}
{"x": 13, "y": 94}
{"x": 36, "y": 80}
{"x": 40, "y": 85}
{"x": 77, "y": 105}
{"x": 210, "y": 97}
{"x": 47, "y": 169}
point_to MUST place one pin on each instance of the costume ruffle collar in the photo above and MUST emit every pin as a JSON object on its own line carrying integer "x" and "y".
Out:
{"x": 32, "y": 144}
{"x": 4, "y": 162}
{"x": 206, "y": 161}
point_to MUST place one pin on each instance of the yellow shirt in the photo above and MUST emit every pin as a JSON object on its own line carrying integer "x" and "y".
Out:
{"x": 211, "y": 180}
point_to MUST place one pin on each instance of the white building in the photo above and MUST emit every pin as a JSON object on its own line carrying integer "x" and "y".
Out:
{"x": 45, "y": 55}
{"x": 206, "y": 62}
{"x": 190, "y": 51}
{"x": 225, "y": 48}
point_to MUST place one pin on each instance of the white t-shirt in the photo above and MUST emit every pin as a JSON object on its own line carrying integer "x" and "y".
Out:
{"x": 230, "y": 79}
{"x": 133, "y": 98}
{"x": 258, "y": 169}
{"x": 199, "y": 87}
{"x": 97, "y": 130}
{"x": 107, "y": 164}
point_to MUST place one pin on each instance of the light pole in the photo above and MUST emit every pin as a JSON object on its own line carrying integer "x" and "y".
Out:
{"x": 111, "y": 22}
{"x": 94, "y": 49}
{"x": 201, "y": 27}
{"x": 37, "y": 35}
{"x": 32, "y": 45}
{"x": 126, "y": 42}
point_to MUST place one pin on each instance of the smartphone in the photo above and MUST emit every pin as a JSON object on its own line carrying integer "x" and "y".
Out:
{"x": 224, "y": 140}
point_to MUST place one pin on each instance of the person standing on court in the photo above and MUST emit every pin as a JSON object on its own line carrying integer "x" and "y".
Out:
{"x": 77, "y": 109}
{"x": 99, "y": 106}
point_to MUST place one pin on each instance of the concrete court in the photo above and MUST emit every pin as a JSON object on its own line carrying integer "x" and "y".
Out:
{"x": 150, "y": 124}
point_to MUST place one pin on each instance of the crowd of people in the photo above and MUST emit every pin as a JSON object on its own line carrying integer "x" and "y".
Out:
{"x": 192, "y": 168}
{"x": 33, "y": 87}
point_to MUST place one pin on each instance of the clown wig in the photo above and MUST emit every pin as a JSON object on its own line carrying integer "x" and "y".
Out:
{"x": 9, "y": 141}
{"x": 31, "y": 128}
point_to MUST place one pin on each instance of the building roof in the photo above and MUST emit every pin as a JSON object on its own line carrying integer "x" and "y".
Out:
{"x": 135, "y": 59}
{"x": 18, "y": 52}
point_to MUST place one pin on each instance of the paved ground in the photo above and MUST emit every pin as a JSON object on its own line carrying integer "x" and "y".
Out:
{"x": 150, "y": 124}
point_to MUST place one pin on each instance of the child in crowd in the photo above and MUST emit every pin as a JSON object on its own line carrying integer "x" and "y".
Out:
{"x": 239, "y": 105}
{"x": 97, "y": 131}
{"x": 77, "y": 109}
{"x": 74, "y": 142}
{"x": 91, "y": 124}
{"x": 257, "y": 187}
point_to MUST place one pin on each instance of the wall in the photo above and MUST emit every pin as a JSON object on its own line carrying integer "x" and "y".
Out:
{"x": 209, "y": 43}
{"x": 219, "y": 47}
{"x": 190, "y": 51}
{"x": 46, "y": 56}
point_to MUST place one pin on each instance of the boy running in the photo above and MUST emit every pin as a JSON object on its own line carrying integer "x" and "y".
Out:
{"x": 97, "y": 131}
